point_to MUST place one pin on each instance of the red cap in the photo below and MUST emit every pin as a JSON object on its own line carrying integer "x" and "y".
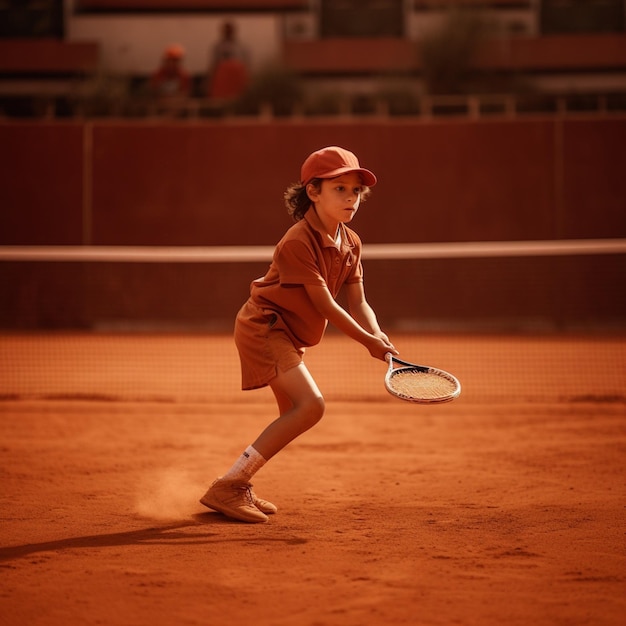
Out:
{"x": 174, "y": 52}
{"x": 331, "y": 162}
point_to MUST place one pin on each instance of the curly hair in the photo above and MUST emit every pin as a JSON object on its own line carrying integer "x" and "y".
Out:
{"x": 298, "y": 202}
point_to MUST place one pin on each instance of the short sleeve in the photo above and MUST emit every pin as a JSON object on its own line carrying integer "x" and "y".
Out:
{"x": 297, "y": 264}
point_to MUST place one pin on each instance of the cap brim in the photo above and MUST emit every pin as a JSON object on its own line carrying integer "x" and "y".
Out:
{"x": 368, "y": 178}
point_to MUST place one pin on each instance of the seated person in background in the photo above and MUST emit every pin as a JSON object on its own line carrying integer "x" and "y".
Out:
{"x": 171, "y": 82}
{"x": 228, "y": 72}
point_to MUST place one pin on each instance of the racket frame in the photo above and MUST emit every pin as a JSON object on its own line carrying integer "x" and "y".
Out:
{"x": 422, "y": 369}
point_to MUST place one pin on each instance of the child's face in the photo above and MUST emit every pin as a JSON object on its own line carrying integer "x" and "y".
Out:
{"x": 338, "y": 199}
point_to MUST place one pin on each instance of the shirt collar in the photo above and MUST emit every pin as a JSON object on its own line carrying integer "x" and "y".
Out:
{"x": 315, "y": 223}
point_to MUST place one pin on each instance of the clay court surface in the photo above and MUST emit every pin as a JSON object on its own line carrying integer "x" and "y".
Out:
{"x": 506, "y": 506}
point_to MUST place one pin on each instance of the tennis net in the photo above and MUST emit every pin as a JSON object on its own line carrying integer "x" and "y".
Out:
{"x": 526, "y": 320}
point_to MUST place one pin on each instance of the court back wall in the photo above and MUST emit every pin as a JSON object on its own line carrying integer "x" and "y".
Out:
{"x": 221, "y": 183}
{"x": 164, "y": 183}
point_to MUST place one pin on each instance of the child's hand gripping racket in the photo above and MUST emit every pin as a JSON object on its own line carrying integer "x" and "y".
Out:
{"x": 417, "y": 383}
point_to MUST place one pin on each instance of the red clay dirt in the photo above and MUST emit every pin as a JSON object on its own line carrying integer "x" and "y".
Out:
{"x": 479, "y": 512}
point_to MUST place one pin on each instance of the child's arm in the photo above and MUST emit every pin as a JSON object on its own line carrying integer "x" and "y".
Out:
{"x": 361, "y": 311}
{"x": 363, "y": 327}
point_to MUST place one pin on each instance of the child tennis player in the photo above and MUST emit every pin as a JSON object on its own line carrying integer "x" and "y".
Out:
{"x": 288, "y": 310}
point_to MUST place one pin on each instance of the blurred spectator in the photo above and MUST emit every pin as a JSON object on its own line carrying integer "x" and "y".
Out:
{"x": 228, "y": 71}
{"x": 171, "y": 82}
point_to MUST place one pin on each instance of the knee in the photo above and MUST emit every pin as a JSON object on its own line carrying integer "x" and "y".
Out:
{"x": 314, "y": 410}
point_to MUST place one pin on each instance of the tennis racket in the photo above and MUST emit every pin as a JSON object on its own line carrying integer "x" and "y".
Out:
{"x": 418, "y": 383}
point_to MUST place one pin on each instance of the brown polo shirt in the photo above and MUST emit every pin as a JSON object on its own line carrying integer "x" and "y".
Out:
{"x": 306, "y": 256}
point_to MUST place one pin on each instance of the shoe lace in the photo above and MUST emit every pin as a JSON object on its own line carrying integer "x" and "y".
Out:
{"x": 247, "y": 493}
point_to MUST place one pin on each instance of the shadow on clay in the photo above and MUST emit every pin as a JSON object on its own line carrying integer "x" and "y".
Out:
{"x": 167, "y": 534}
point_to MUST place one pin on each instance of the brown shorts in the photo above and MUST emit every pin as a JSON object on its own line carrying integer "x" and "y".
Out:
{"x": 264, "y": 346}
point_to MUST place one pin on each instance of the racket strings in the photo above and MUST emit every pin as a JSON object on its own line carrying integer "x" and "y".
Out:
{"x": 416, "y": 384}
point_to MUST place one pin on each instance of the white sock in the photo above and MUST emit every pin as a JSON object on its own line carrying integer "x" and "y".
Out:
{"x": 248, "y": 464}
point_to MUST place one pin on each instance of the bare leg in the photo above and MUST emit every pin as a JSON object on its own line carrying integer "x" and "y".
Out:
{"x": 301, "y": 406}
